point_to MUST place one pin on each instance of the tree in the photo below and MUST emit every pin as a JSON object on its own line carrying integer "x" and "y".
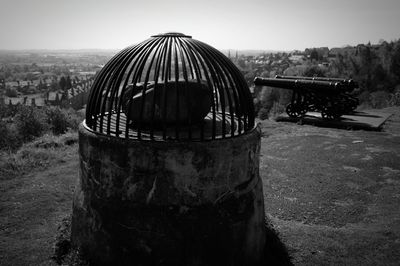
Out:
{"x": 379, "y": 73}
{"x": 4, "y": 112}
{"x": 10, "y": 92}
{"x": 265, "y": 100}
{"x": 249, "y": 76}
{"x": 58, "y": 120}
{"x": 42, "y": 86}
{"x": 62, "y": 83}
{"x": 314, "y": 55}
{"x": 395, "y": 64}
{"x": 379, "y": 99}
{"x": 367, "y": 63}
{"x": 314, "y": 71}
{"x": 30, "y": 122}
{"x": 54, "y": 86}
{"x": 241, "y": 63}
{"x": 68, "y": 83}
{"x": 340, "y": 64}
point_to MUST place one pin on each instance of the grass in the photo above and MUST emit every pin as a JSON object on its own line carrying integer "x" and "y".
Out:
{"x": 36, "y": 188}
{"x": 42, "y": 152}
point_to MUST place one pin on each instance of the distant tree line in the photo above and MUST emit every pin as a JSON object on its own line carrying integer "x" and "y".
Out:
{"x": 376, "y": 68}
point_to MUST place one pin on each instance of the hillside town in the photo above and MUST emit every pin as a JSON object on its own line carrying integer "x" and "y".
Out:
{"x": 63, "y": 78}
{"x": 42, "y": 104}
{"x": 47, "y": 79}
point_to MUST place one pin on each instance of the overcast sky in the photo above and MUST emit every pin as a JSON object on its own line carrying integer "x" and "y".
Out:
{"x": 233, "y": 24}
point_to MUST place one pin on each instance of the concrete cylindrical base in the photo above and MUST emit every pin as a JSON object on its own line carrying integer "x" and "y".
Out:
{"x": 169, "y": 203}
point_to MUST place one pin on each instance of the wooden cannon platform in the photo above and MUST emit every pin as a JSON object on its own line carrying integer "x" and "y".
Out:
{"x": 365, "y": 120}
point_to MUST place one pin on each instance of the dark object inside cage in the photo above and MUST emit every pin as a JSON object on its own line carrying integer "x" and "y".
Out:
{"x": 332, "y": 97}
{"x": 170, "y": 87}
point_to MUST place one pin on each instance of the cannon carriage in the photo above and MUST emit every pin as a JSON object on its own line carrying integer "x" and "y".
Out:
{"x": 332, "y": 97}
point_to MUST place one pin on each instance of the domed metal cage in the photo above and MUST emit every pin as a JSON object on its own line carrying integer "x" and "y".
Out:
{"x": 170, "y": 87}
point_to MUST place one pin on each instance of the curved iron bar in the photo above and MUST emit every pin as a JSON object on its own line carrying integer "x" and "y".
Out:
{"x": 131, "y": 96}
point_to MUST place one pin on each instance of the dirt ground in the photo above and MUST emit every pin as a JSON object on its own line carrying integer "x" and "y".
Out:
{"x": 32, "y": 207}
{"x": 333, "y": 196}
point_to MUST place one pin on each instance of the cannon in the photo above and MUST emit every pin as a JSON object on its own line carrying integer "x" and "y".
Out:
{"x": 349, "y": 84}
{"x": 332, "y": 97}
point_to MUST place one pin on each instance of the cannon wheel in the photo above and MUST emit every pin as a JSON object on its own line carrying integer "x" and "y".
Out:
{"x": 295, "y": 111}
{"x": 353, "y": 102}
{"x": 329, "y": 114}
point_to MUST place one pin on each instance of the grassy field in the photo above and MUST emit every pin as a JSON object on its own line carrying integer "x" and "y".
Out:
{"x": 332, "y": 195}
{"x": 36, "y": 186}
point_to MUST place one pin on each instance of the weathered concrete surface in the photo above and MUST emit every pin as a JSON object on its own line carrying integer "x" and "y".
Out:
{"x": 169, "y": 203}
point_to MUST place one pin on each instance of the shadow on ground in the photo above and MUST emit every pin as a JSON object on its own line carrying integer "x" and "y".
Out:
{"x": 275, "y": 251}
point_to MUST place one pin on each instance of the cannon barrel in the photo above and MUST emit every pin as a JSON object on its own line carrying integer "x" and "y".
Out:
{"x": 300, "y": 84}
{"x": 351, "y": 84}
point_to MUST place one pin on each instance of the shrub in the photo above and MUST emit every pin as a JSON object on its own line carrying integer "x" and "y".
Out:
{"x": 74, "y": 118}
{"x": 380, "y": 99}
{"x": 10, "y": 92}
{"x": 8, "y": 138}
{"x": 265, "y": 101}
{"x": 60, "y": 120}
{"x": 276, "y": 110}
{"x": 395, "y": 98}
{"x": 3, "y": 110}
{"x": 44, "y": 151}
{"x": 57, "y": 119}
{"x": 314, "y": 71}
{"x": 51, "y": 141}
{"x": 4, "y": 134}
{"x": 30, "y": 122}
{"x": 365, "y": 98}
{"x": 263, "y": 113}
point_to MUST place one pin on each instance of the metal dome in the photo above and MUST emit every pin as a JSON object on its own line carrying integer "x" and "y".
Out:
{"x": 170, "y": 87}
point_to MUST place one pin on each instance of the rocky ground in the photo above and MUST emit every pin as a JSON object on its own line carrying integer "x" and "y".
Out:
{"x": 333, "y": 196}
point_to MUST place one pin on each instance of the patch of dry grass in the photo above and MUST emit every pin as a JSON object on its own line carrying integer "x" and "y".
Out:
{"x": 38, "y": 154}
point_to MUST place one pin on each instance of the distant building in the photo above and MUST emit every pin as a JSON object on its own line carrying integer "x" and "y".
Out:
{"x": 322, "y": 51}
{"x": 87, "y": 73}
{"x": 324, "y": 64}
{"x": 40, "y": 102}
{"x": 12, "y": 84}
{"x": 54, "y": 98}
{"x": 297, "y": 58}
{"x": 27, "y": 100}
{"x": 23, "y": 83}
{"x": 35, "y": 82}
{"x": 12, "y": 101}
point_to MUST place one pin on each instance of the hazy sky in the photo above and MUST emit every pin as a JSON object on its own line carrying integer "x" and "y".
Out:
{"x": 234, "y": 24}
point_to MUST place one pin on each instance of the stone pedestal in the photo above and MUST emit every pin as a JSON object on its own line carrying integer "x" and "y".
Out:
{"x": 169, "y": 203}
